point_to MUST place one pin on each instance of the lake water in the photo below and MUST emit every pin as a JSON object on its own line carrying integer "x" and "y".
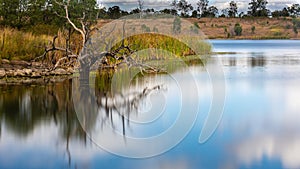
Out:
{"x": 41, "y": 128}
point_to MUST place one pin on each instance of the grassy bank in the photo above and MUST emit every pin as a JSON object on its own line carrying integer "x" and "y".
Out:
{"x": 19, "y": 45}
{"x": 24, "y": 45}
{"x": 153, "y": 46}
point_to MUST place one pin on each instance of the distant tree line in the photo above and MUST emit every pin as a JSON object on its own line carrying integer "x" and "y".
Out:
{"x": 22, "y": 13}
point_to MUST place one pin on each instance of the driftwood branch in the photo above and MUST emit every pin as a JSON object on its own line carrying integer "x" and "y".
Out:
{"x": 69, "y": 54}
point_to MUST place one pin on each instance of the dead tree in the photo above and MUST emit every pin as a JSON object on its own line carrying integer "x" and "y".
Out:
{"x": 90, "y": 54}
{"x": 141, "y": 7}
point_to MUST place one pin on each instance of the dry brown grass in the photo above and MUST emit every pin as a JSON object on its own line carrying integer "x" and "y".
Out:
{"x": 265, "y": 28}
{"x": 19, "y": 45}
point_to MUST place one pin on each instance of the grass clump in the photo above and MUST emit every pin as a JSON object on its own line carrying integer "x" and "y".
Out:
{"x": 164, "y": 43}
{"x": 18, "y": 45}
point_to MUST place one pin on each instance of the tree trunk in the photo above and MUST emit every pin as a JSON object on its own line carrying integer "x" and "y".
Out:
{"x": 84, "y": 74}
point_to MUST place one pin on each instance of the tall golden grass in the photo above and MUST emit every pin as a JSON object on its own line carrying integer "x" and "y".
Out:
{"x": 19, "y": 45}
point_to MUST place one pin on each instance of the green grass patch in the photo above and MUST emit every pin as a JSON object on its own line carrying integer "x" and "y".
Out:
{"x": 160, "y": 43}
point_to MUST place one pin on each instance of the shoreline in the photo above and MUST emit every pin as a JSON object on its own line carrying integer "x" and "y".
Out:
{"x": 23, "y": 72}
{"x": 252, "y": 39}
{"x": 275, "y": 38}
{"x": 27, "y": 72}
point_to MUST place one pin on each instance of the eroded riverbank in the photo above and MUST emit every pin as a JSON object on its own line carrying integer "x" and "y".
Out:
{"x": 30, "y": 72}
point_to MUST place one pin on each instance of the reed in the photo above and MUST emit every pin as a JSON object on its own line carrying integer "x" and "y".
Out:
{"x": 161, "y": 46}
{"x": 18, "y": 45}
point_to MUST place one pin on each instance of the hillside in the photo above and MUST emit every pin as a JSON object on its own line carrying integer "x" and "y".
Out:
{"x": 223, "y": 28}
{"x": 265, "y": 28}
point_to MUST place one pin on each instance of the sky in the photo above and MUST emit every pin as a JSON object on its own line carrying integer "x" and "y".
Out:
{"x": 220, "y": 4}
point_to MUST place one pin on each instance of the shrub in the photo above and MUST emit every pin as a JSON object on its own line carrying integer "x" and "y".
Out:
{"x": 295, "y": 30}
{"x": 155, "y": 29}
{"x": 196, "y": 25}
{"x": 177, "y": 25}
{"x": 145, "y": 28}
{"x": 195, "y": 28}
{"x": 228, "y": 35}
{"x": 238, "y": 29}
{"x": 225, "y": 30}
{"x": 296, "y": 22}
{"x": 253, "y": 29}
{"x": 288, "y": 26}
{"x": 277, "y": 33}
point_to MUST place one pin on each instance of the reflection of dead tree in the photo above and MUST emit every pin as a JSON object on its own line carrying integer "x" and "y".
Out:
{"x": 121, "y": 105}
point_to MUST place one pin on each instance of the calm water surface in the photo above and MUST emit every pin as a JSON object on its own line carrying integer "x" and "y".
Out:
{"x": 259, "y": 129}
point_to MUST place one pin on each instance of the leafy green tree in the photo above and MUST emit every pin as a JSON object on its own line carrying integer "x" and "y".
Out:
{"x": 102, "y": 13}
{"x": 278, "y": 13}
{"x": 232, "y": 10}
{"x": 212, "y": 11}
{"x": 148, "y": 10}
{"x": 168, "y": 11}
{"x": 194, "y": 14}
{"x": 184, "y": 8}
{"x": 11, "y": 12}
{"x": 135, "y": 11}
{"x": 115, "y": 12}
{"x": 224, "y": 13}
{"x": 258, "y": 8}
{"x": 202, "y": 7}
{"x": 174, "y": 6}
{"x": 294, "y": 10}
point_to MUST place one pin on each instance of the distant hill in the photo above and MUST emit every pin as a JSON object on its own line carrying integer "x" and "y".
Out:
{"x": 265, "y": 28}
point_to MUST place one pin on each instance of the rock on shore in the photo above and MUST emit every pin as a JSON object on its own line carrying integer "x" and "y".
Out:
{"x": 19, "y": 69}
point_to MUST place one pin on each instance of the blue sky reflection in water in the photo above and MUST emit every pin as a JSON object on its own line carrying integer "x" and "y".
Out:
{"x": 259, "y": 128}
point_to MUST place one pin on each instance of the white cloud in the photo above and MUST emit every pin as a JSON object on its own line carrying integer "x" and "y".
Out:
{"x": 276, "y": 132}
